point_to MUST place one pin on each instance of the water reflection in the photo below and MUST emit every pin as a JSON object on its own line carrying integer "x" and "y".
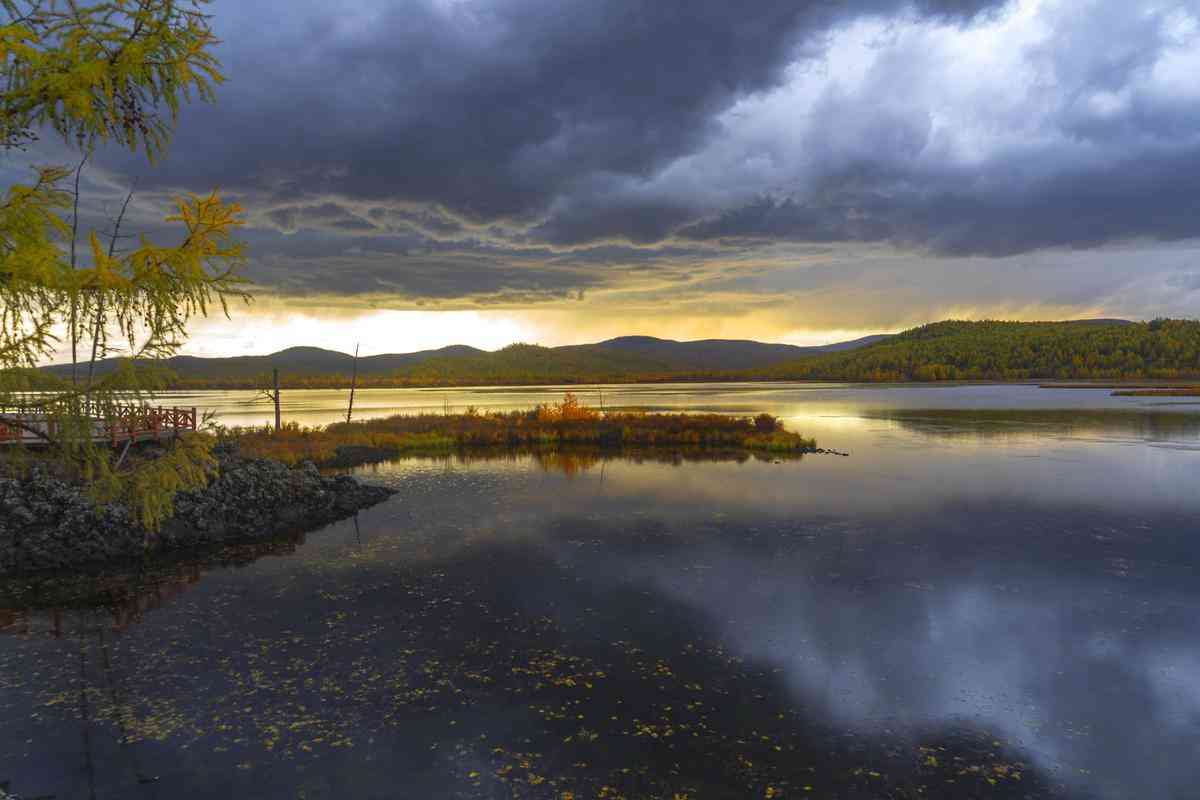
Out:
{"x": 1087, "y": 666}
{"x": 48, "y": 603}
{"x": 947, "y": 613}
{"x": 322, "y": 406}
{"x": 1024, "y": 424}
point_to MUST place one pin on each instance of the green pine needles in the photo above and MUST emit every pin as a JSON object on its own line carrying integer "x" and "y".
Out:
{"x": 94, "y": 73}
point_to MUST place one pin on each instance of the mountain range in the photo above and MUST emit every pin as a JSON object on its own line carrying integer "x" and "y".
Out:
{"x": 1114, "y": 349}
{"x": 620, "y": 357}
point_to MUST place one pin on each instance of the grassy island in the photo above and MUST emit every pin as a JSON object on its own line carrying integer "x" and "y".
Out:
{"x": 567, "y": 424}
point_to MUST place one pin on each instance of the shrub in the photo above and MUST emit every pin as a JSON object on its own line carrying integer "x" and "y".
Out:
{"x": 765, "y": 423}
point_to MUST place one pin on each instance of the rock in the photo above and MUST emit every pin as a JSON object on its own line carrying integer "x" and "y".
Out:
{"x": 47, "y": 523}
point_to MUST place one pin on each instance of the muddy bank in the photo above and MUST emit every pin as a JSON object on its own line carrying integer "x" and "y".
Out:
{"x": 47, "y": 523}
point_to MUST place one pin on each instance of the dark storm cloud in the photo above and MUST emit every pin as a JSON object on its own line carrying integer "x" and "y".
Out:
{"x": 1186, "y": 283}
{"x": 424, "y": 276}
{"x": 1104, "y": 154}
{"x": 502, "y": 145}
{"x": 1151, "y": 196}
{"x": 423, "y": 268}
{"x": 768, "y": 218}
{"x": 590, "y": 216}
{"x": 488, "y": 109}
{"x": 289, "y": 219}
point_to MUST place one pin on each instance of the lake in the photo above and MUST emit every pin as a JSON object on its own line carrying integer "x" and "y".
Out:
{"x": 995, "y": 595}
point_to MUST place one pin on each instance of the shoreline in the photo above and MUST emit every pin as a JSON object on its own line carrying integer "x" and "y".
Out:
{"x": 353, "y": 457}
{"x": 269, "y": 481}
{"x": 564, "y": 425}
{"x": 1041, "y": 383}
{"x": 81, "y": 583}
{"x": 52, "y": 528}
{"x": 49, "y": 524}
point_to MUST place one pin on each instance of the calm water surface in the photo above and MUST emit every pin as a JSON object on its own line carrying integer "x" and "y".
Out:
{"x": 995, "y": 595}
{"x": 804, "y": 401}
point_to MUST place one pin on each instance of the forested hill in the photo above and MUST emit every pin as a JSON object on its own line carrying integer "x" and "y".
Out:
{"x": 708, "y": 355}
{"x": 296, "y": 363}
{"x": 628, "y": 358}
{"x": 1090, "y": 349}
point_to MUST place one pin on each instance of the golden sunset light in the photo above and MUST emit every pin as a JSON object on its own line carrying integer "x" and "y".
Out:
{"x": 599, "y": 399}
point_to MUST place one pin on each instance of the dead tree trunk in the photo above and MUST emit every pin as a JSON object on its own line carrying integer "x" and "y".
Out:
{"x": 275, "y": 395}
{"x": 271, "y": 393}
{"x": 353, "y": 384}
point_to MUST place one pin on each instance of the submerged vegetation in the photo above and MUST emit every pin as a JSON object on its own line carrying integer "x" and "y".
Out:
{"x": 546, "y": 427}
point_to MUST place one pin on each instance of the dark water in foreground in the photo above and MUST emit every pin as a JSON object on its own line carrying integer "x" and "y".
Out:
{"x": 977, "y": 603}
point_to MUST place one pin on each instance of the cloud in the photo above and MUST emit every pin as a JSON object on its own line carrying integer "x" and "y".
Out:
{"x": 694, "y": 156}
{"x": 493, "y": 110}
{"x": 1186, "y": 282}
{"x": 416, "y": 268}
{"x": 1060, "y": 125}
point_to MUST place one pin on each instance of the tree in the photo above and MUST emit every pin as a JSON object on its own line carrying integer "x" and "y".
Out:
{"x": 270, "y": 391}
{"x": 93, "y": 73}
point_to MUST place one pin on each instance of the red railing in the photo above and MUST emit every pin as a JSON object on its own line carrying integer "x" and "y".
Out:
{"x": 136, "y": 422}
{"x": 113, "y": 423}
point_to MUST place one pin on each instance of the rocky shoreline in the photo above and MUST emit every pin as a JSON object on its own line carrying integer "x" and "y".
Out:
{"x": 47, "y": 523}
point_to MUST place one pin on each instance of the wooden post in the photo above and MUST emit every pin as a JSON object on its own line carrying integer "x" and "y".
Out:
{"x": 353, "y": 384}
{"x": 275, "y": 396}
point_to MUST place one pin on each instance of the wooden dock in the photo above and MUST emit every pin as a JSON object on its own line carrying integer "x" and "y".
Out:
{"x": 114, "y": 425}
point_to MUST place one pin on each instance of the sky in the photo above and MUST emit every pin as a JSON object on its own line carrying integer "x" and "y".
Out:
{"x": 428, "y": 172}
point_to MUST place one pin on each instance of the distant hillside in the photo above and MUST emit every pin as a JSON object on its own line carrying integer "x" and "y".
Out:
{"x": 708, "y": 355}
{"x": 622, "y": 359}
{"x": 531, "y": 364}
{"x": 295, "y": 362}
{"x": 628, "y": 358}
{"x": 1106, "y": 349}
{"x": 853, "y": 344}
{"x": 1102, "y": 349}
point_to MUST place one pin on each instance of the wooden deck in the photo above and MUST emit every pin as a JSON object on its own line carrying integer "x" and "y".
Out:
{"x": 113, "y": 425}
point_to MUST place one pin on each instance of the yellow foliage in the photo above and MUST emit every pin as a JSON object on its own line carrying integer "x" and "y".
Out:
{"x": 97, "y": 72}
{"x": 569, "y": 409}
{"x": 32, "y": 272}
{"x": 149, "y": 488}
{"x": 546, "y": 429}
{"x": 100, "y": 71}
